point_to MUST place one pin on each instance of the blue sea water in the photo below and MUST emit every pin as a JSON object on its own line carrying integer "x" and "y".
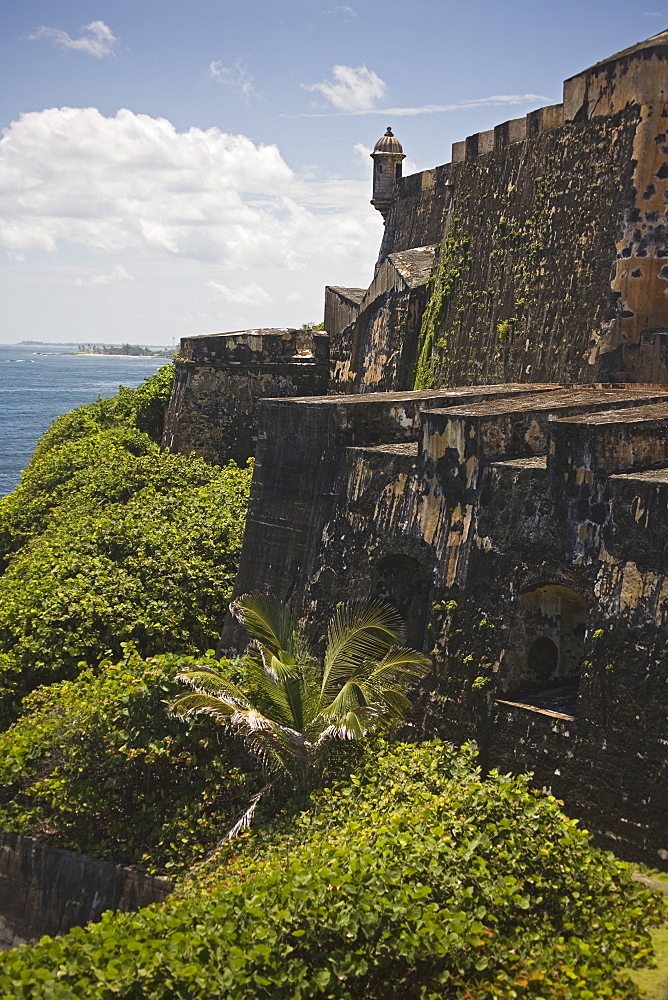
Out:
{"x": 39, "y": 382}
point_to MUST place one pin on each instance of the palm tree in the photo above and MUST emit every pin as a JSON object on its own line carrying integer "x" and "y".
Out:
{"x": 292, "y": 714}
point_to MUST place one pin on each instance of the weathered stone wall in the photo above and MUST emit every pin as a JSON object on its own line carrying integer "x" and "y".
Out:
{"x": 521, "y": 530}
{"x": 297, "y": 479}
{"x": 553, "y": 236}
{"x": 342, "y": 307}
{"x": 375, "y": 349}
{"x": 220, "y": 378}
{"x": 48, "y": 891}
{"x": 419, "y": 212}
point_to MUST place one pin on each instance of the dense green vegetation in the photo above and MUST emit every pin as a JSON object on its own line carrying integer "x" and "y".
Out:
{"x": 414, "y": 877}
{"x": 96, "y": 765}
{"x": 109, "y": 540}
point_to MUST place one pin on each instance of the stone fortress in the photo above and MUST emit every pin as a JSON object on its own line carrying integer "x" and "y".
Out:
{"x": 481, "y": 438}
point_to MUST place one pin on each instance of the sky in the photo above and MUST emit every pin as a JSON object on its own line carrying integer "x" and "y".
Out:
{"x": 170, "y": 169}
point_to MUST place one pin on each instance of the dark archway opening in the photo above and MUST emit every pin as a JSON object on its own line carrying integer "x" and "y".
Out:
{"x": 543, "y": 659}
{"x": 548, "y": 648}
{"x": 403, "y": 583}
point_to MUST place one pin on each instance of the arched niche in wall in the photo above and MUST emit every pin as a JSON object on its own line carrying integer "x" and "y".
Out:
{"x": 543, "y": 661}
{"x": 403, "y": 582}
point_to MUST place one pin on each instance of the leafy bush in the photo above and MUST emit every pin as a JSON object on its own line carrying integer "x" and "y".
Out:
{"x": 109, "y": 540}
{"x": 95, "y": 765}
{"x": 415, "y": 880}
{"x": 156, "y": 569}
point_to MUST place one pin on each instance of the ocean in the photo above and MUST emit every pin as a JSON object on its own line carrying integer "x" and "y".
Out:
{"x": 39, "y": 382}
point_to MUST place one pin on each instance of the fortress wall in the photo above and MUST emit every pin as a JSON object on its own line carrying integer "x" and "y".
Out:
{"x": 381, "y": 342}
{"x": 342, "y": 307}
{"x": 554, "y": 236}
{"x": 527, "y": 245}
{"x": 220, "y": 378}
{"x": 44, "y": 890}
{"x": 455, "y": 528}
{"x": 416, "y": 219}
{"x": 298, "y": 478}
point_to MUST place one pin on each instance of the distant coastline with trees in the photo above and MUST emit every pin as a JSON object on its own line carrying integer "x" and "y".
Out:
{"x": 125, "y": 350}
{"x": 119, "y": 350}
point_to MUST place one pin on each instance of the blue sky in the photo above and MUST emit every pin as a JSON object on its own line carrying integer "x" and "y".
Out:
{"x": 169, "y": 169}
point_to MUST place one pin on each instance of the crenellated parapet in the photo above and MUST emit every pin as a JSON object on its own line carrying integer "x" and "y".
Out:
{"x": 553, "y": 234}
{"x": 505, "y": 134}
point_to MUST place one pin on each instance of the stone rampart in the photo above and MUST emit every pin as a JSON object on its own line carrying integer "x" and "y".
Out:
{"x": 553, "y": 237}
{"x": 520, "y": 529}
{"x": 220, "y": 378}
{"x": 48, "y": 891}
{"x": 376, "y": 348}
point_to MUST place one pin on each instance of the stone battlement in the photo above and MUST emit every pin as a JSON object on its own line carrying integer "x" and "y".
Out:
{"x": 256, "y": 347}
{"x": 535, "y": 515}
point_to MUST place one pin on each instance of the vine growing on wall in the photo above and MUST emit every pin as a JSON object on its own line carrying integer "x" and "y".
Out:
{"x": 493, "y": 306}
{"x": 452, "y": 256}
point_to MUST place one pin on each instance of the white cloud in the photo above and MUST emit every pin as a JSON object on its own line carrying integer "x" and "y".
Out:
{"x": 237, "y": 77}
{"x": 133, "y": 185}
{"x": 240, "y": 294}
{"x": 95, "y": 39}
{"x": 494, "y": 100}
{"x": 353, "y": 90}
{"x": 348, "y": 12}
{"x": 117, "y": 273}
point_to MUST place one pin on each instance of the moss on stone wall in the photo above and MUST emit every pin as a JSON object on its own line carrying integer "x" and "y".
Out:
{"x": 452, "y": 257}
{"x": 522, "y": 282}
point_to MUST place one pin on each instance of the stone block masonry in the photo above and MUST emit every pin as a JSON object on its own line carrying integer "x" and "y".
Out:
{"x": 220, "y": 378}
{"x": 552, "y": 235}
{"x": 520, "y": 529}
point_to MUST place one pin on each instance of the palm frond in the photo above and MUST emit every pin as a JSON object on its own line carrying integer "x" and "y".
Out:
{"x": 187, "y": 705}
{"x": 278, "y": 748}
{"x": 268, "y": 620}
{"x": 360, "y": 633}
{"x": 349, "y": 697}
{"x": 268, "y": 691}
{"x": 351, "y": 726}
{"x": 244, "y": 822}
{"x": 208, "y": 681}
{"x": 289, "y": 718}
{"x": 401, "y": 666}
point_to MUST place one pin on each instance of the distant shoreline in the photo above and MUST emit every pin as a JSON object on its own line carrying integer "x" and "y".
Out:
{"x": 109, "y": 354}
{"x": 106, "y": 350}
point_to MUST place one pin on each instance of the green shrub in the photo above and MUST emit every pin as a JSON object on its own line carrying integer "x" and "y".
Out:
{"x": 66, "y": 475}
{"x": 109, "y": 540}
{"x": 414, "y": 880}
{"x": 156, "y": 569}
{"x": 96, "y": 765}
